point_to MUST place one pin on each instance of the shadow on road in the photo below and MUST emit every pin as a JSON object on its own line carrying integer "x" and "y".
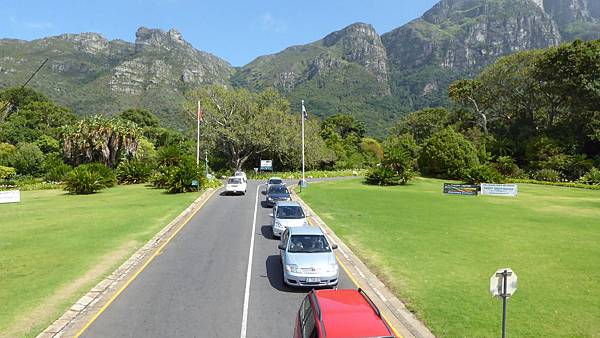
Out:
{"x": 264, "y": 205}
{"x": 275, "y": 274}
{"x": 225, "y": 193}
{"x": 267, "y": 232}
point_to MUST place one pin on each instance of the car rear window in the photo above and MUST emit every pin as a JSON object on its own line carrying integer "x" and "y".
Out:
{"x": 234, "y": 180}
{"x": 278, "y": 189}
{"x": 275, "y": 181}
{"x": 290, "y": 212}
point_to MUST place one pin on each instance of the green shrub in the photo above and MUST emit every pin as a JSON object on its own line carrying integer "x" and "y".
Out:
{"x": 591, "y": 177}
{"x": 82, "y": 180}
{"x": 58, "y": 173}
{"x": 547, "y": 175}
{"x": 570, "y": 167}
{"x": 506, "y": 166}
{"x": 7, "y": 172}
{"x": 181, "y": 179}
{"x": 27, "y": 159}
{"x": 109, "y": 179}
{"x": 133, "y": 171}
{"x": 162, "y": 176}
{"x": 48, "y": 144}
{"x": 206, "y": 183}
{"x": 382, "y": 176}
{"x": 6, "y": 151}
{"x": 482, "y": 174}
{"x": 447, "y": 154}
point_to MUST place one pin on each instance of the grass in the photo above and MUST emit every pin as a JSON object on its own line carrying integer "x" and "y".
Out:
{"x": 54, "y": 247}
{"x": 438, "y": 252}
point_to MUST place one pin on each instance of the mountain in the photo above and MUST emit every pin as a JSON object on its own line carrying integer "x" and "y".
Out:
{"x": 91, "y": 74}
{"x": 354, "y": 70}
{"x": 345, "y": 72}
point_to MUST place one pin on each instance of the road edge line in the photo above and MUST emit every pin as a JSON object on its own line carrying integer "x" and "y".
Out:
{"x": 249, "y": 270}
{"x": 410, "y": 325}
{"x": 146, "y": 254}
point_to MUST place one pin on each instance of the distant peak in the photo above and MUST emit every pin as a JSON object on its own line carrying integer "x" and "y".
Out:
{"x": 158, "y": 38}
{"x": 355, "y": 30}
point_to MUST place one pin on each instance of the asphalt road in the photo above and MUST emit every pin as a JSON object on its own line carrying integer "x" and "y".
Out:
{"x": 196, "y": 287}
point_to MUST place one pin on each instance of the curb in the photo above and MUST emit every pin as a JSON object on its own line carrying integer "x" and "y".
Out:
{"x": 102, "y": 292}
{"x": 393, "y": 309}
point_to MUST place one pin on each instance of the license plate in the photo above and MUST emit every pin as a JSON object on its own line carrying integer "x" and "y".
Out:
{"x": 312, "y": 280}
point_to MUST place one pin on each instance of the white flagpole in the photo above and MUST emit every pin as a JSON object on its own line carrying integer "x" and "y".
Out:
{"x": 303, "y": 112}
{"x": 198, "y": 137}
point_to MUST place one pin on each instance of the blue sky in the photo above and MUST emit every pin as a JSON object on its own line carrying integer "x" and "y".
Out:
{"x": 237, "y": 31}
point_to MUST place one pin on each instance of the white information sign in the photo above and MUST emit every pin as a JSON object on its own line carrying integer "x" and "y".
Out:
{"x": 497, "y": 283}
{"x": 10, "y": 196}
{"x": 266, "y": 164}
{"x": 499, "y": 189}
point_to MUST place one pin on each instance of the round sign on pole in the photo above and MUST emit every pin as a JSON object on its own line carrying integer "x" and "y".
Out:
{"x": 497, "y": 283}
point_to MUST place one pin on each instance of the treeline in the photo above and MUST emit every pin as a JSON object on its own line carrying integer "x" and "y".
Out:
{"x": 531, "y": 115}
{"x": 42, "y": 143}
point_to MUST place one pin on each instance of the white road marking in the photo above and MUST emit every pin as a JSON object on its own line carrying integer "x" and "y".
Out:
{"x": 249, "y": 271}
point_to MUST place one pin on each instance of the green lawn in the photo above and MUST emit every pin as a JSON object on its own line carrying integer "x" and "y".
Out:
{"x": 437, "y": 252}
{"x": 54, "y": 247}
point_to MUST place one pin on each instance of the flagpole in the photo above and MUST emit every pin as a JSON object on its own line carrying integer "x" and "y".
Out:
{"x": 303, "y": 118}
{"x": 198, "y": 137}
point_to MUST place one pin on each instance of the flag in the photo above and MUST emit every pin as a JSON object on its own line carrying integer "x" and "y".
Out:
{"x": 304, "y": 113}
{"x": 200, "y": 113}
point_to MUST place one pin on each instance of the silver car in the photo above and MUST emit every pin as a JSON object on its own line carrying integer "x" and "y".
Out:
{"x": 287, "y": 214}
{"x": 307, "y": 258}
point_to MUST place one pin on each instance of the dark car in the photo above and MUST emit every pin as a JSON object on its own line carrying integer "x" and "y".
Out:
{"x": 277, "y": 192}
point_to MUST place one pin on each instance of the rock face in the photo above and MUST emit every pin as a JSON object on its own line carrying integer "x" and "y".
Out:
{"x": 353, "y": 70}
{"x": 91, "y": 74}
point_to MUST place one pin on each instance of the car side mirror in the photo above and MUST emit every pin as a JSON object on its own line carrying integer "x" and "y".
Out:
{"x": 281, "y": 247}
{"x": 334, "y": 246}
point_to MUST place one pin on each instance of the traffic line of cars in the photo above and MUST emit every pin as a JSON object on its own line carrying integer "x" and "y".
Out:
{"x": 308, "y": 260}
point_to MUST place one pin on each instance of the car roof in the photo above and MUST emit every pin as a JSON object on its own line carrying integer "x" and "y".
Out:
{"x": 349, "y": 313}
{"x": 288, "y": 204}
{"x": 305, "y": 230}
{"x": 230, "y": 177}
{"x": 275, "y": 178}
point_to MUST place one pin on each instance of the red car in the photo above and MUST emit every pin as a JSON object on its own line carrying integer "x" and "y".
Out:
{"x": 340, "y": 313}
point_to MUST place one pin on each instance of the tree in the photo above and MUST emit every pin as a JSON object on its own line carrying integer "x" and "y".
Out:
{"x": 34, "y": 120}
{"x": 422, "y": 124}
{"x": 400, "y": 155}
{"x": 447, "y": 154}
{"x": 27, "y": 159}
{"x": 16, "y": 98}
{"x": 141, "y": 117}
{"x": 98, "y": 139}
{"x": 241, "y": 125}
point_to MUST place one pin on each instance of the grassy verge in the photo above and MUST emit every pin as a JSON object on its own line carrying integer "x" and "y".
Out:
{"x": 54, "y": 247}
{"x": 437, "y": 252}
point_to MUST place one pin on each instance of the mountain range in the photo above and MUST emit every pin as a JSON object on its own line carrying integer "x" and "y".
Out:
{"x": 376, "y": 78}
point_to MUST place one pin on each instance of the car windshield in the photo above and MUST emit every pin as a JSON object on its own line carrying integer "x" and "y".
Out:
{"x": 278, "y": 189}
{"x": 290, "y": 212}
{"x": 308, "y": 244}
{"x": 235, "y": 180}
{"x": 275, "y": 181}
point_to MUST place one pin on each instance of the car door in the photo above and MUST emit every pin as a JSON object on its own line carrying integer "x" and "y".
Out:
{"x": 274, "y": 214}
{"x": 284, "y": 240}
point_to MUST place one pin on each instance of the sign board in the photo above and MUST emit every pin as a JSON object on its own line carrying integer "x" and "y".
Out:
{"x": 497, "y": 283}
{"x": 460, "y": 189}
{"x": 499, "y": 189}
{"x": 266, "y": 165}
{"x": 10, "y": 196}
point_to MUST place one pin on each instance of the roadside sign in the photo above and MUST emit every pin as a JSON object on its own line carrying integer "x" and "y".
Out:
{"x": 460, "y": 189}
{"x": 497, "y": 283}
{"x": 10, "y": 196}
{"x": 499, "y": 189}
{"x": 266, "y": 165}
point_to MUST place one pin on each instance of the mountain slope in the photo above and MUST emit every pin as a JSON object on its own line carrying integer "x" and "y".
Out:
{"x": 91, "y": 74}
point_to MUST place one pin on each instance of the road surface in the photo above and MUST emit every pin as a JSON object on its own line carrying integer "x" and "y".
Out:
{"x": 197, "y": 286}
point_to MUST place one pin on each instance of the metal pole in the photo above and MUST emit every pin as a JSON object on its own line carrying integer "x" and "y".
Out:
{"x": 303, "y": 109}
{"x": 504, "y": 296}
{"x": 206, "y": 161}
{"x": 198, "y": 136}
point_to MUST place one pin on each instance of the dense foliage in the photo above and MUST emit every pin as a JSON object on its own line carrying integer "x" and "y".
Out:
{"x": 89, "y": 178}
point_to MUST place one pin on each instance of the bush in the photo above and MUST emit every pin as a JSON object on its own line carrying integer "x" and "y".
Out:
{"x": 162, "y": 176}
{"x": 27, "y": 159}
{"x": 83, "y": 180}
{"x": 6, "y": 172}
{"x": 109, "y": 179}
{"x": 506, "y": 166}
{"x": 482, "y": 174}
{"x": 6, "y": 151}
{"x": 48, "y": 144}
{"x": 382, "y": 176}
{"x": 447, "y": 154}
{"x": 570, "y": 167}
{"x": 57, "y": 173}
{"x": 133, "y": 171}
{"x": 547, "y": 175}
{"x": 591, "y": 177}
{"x": 206, "y": 183}
{"x": 182, "y": 177}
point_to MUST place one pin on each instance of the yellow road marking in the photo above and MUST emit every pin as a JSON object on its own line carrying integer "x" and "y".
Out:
{"x": 357, "y": 285}
{"x": 156, "y": 253}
